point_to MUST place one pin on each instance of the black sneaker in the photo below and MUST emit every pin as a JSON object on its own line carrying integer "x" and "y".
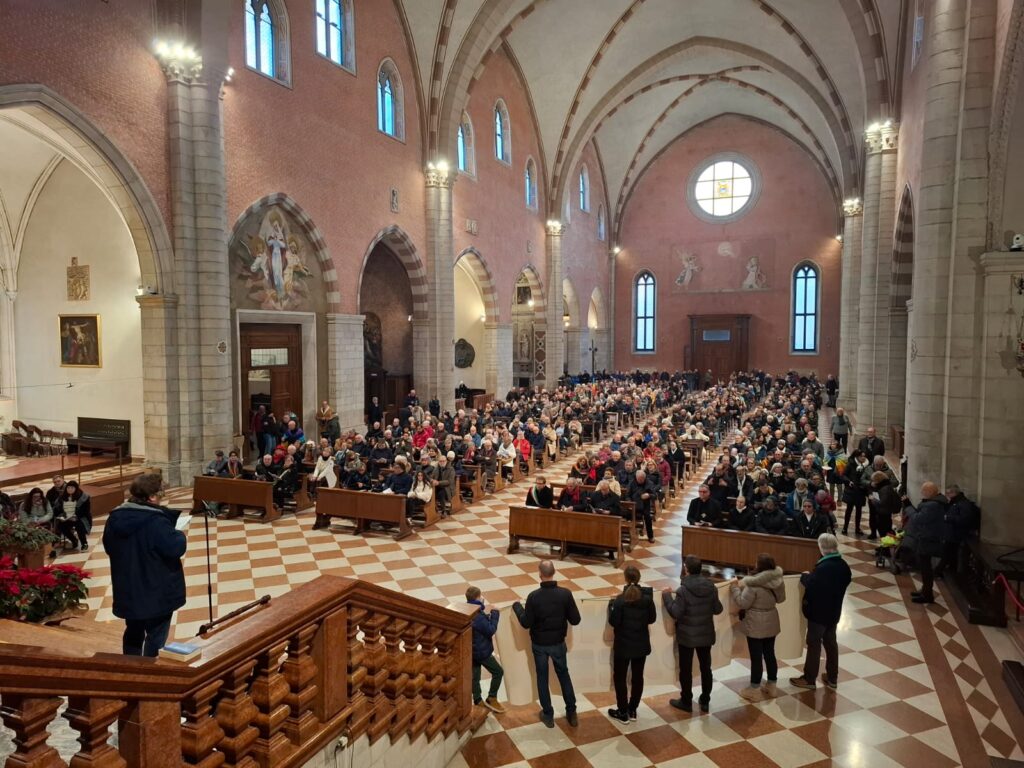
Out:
{"x": 683, "y": 704}
{"x": 548, "y": 720}
{"x": 616, "y": 714}
{"x": 705, "y": 706}
{"x": 571, "y": 719}
{"x": 632, "y": 713}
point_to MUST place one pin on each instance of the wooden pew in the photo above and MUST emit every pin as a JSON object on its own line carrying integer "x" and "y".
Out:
{"x": 740, "y": 548}
{"x": 364, "y": 507}
{"x": 473, "y": 480}
{"x": 553, "y": 526}
{"x": 237, "y": 494}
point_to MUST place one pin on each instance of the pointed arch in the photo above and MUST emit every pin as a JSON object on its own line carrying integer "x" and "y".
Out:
{"x": 529, "y": 271}
{"x": 598, "y": 309}
{"x": 402, "y": 246}
{"x": 484, "y": 280}
{"x": 310, "y": 230}
{"x": 901, "y": 285}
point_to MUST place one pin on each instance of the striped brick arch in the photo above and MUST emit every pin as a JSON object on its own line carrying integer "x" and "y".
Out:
{"x": 536, "y": 291}
{"x": 399, "y": 243}
{"x": 310, "y": 230}
{"x": 903, "y": 253}
{"x": 484, "y": 281}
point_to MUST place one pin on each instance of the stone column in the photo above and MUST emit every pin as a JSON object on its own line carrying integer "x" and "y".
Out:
{"x": 160, "y": 382}
{"x": 346, "y": 388}
{"x": 602, "y": 338}
{"x": 498, "y": 338}
{"x": 875, "y": 277}
{"x": 1002, "y": 392}
{"x": 581, "y": 352}
{"x": 849, "y": 303}
{"x": 441, "y": 289}
{"x": 554, "y": 339}
{"x": 8, "y": 370}
{"x": 571, "y": 355}
{"x": 944, "y": 437}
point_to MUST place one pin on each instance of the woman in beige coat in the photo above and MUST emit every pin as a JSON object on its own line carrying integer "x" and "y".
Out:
{"x": 756, "y": 596}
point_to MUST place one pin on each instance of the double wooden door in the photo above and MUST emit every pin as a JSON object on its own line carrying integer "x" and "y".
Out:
{"x": 271, "y": 368}
{"x": 719, "y": 343}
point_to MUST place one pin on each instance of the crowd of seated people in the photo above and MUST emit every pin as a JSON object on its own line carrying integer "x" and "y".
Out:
{"x": 64, "y": 509}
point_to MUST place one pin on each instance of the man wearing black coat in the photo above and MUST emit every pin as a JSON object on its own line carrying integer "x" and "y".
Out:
{"x": 964, "y": 520}
{"x": 824, "y": 589}
{"x": 694, "y": 607}
{"x": 145, "y": 552}
{"x": 548, "y": 613}
{"x": 872, "y": 445}
{"x": 540, "y": 494}
{"x": 704, "y": 510}
{"x": 642, "y": 493}
{"x": 926, "y": 536}
{"x": 603, "y": 502}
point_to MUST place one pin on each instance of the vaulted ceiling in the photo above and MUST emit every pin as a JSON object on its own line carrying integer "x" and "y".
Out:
{"x": 634, "y": 75}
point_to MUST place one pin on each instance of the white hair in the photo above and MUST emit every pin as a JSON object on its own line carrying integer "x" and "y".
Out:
{"x": 828, "y": 544}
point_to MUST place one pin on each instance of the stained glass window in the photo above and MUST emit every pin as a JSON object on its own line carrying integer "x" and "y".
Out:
{"x": 644, "y": 313}
{"x": 805, "y": 309}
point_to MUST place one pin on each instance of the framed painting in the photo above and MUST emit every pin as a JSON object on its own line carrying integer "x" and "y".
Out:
{"x": 80, "y": 341}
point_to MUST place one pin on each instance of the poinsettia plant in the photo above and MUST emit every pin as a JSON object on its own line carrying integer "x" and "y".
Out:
{"x": 36, "y": 594}
{"x": 15, "y": 535}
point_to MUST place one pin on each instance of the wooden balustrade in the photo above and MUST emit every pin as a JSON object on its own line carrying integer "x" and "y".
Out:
{"x": 270, "y": 690}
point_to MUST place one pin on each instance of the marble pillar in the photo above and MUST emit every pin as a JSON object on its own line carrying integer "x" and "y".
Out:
{"x": 554, "y": 308}
{"x": 849, "y": 305}
{"x": 160, "y": 383}
{"x": 441, "y": 288}
{"x": 346, "y": 387}
{"x": 876, "y": 276}
{"x": 498, "y": 341}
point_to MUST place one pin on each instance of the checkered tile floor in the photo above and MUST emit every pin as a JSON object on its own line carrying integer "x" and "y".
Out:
{"x": 918, "y": 686}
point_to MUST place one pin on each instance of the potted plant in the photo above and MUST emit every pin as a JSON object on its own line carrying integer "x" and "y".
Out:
{"x": 31, "y": 544}
{"x": 41, "y": 595}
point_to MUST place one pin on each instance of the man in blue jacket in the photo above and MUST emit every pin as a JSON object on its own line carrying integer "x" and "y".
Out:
{"x": 145, "y": 553}
{"x": 824, "y": 589}
{"x": 485, "y": 624}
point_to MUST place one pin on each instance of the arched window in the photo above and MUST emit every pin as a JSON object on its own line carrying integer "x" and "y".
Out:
{"x": 584, "y": 189}
{"x": 601, "y": 226}
{"x": 465, "y": 148}
{"x": 334, "y": 31}
{"x": 530, "y": 181}
{"x": 805, "y": 309}
{"x": 644, "y": 306}
{"x": 266, "y": 38}
{"x": 502, "y": 135}
{"x": 389, "y": 101}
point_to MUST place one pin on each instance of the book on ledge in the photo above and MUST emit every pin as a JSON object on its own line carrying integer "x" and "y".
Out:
{"x": 184, "y": 652}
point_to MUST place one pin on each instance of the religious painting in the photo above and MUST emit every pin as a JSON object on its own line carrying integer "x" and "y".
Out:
{"x": 79, "y": 337}
{"x": 373, "y": 341}
{"x": 78, "y": 281}
{"x": 716, "y": 266}
{"x": 271, "y": 264}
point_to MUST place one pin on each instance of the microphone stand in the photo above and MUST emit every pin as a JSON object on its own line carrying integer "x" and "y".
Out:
{"x": 209, "y": 569}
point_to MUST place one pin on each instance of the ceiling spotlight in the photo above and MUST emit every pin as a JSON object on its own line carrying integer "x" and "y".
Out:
{"x": 616, "y": 250}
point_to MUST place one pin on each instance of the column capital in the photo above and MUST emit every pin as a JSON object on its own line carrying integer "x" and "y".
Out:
{"x": 555, "y": 228}
{"x": 1002, "y": 263}
{"x": 335, "y": 318}
{"x": 157, "y": 301}
{"x": 438, "y": 176}
{"x": 179, "y": 61}
{"x": 882, "y": 137}
{"x": 853, "y": 207}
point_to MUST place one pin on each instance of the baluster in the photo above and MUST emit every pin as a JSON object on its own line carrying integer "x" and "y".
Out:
{"x": 414, "y": 664}
{"x": 235, "y": 714}
{"x": 357, "y": 673}
{"x": 434, "y": 679}
{"x": 200, "y": 732}
{"x": 299, "y": 670}
{"x": 269, "y": 689}
{"x": 396, "y": 663}
{"x": 375, "y": 661}
{"x": 28, "y": 718}
{"x": 447, "y": 714}
{"x": 92, "y": 719}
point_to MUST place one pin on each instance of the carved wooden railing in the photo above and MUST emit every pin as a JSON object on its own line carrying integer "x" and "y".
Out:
{"x": 334, "y": 656}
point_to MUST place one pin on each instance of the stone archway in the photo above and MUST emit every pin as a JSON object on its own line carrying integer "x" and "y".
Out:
{"x": 574, "y": 330}
{"x": 598, "y": 353}
{"x": 478, "y": 320}
{"x": 900, "y": 309}
{"x": 75, "y": 140}
{"x": 529, "y": 329}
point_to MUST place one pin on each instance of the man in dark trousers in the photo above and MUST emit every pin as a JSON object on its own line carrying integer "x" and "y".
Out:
{"x": 145, "y": 553}
{"x": 694, "y": 607}
{"x": 872, "y": 445}
{"x": 548, "y": 613}
{"x": 926, "y": 534}
{"x": 824, "y": 589}
{"x": 641, "y": 492}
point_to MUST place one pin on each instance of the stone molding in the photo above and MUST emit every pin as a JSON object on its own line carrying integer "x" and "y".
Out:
{"x": 853, "y": 207}
{"x": 1002, "y": 262}
{"x": 555, "y": 228}
{"x": 437, "y": 178}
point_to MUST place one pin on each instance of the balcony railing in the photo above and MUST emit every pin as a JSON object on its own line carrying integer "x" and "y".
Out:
{"x": 334, "y": 656}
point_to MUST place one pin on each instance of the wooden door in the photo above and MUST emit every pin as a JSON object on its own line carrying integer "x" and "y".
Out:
{"x": 719, "y": 343}
{"x": 271, "y": 368}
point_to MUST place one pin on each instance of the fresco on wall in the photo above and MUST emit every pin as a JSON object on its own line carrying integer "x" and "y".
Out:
{"x": 724, "y": 266}
{"x": 373, "y": 341}
{"x": 271, "y": 263}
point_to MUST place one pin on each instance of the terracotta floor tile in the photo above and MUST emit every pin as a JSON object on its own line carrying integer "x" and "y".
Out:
{"x": 747, "y": 721}
{"x": 899, "y": 685}
{"x": 566, "y": 758}
{"x": 880, "y": 615}
{"x": 913, "y": 753}
{"x": 740, "y": 755}
{"x": 998, "y": 738}
{"x": 491, "y": 751}
{"x": 594, "y": 725}
{"x": 885, "y": 635}
{"x": 661, "y": 744}
{"x": 891, "y": 657}
{"x": 827, "y": 703}
{"x": 667, "y": 712}
{"x": 827, "y": 737}
{"x": 909, "y": 718}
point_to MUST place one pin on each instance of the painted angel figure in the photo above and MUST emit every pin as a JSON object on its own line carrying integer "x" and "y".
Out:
{"x": 690, "y": 268}
{"x": 755, "y": 277}
{"x": 277, "y": 247}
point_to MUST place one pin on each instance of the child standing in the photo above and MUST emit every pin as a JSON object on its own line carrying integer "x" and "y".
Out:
{"x": 485, "y": 624}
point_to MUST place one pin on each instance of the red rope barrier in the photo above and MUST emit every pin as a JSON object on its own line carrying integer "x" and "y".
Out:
{"x": 1006, "y": 585}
